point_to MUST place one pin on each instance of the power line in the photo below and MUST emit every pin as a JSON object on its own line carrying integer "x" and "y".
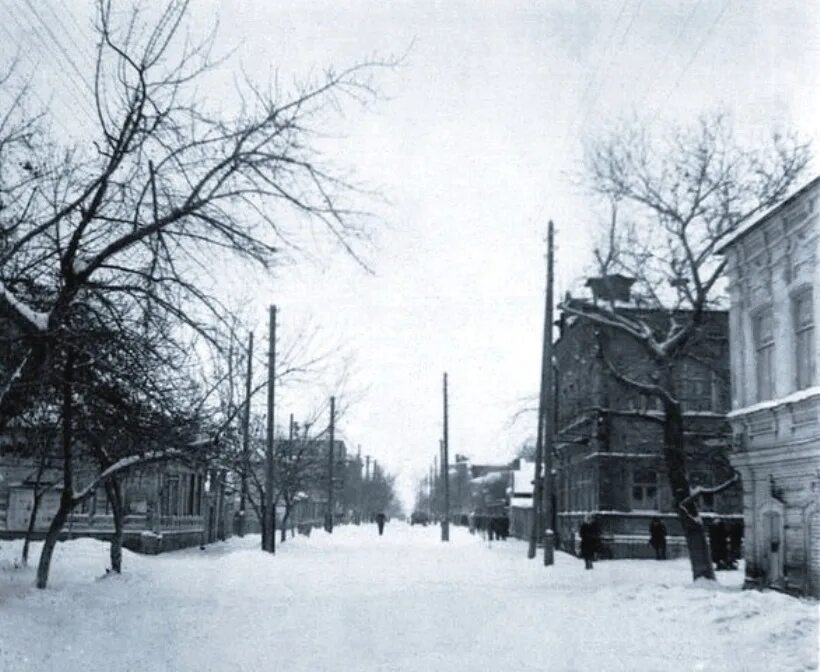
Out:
{"x": 28, "y": 27}
{"x": 697, "y": 51}
{"x": 80, "y": 30}
{"x": 662, "y": 65}
{"x": 596, "y": 71}
{"x": 610, "y": 62}
{"x": 32, "y": 89}
{"x": 59, "y": 45}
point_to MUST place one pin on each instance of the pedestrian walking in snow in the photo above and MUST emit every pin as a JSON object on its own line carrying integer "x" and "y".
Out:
{"x": 589, "y": 541}
{"x": 380, "y": 518}
{"x": 657, "y": 538}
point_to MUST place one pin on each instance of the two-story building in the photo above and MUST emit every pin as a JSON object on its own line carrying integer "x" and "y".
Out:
{"x": 609, "y": 438}
{"x": 774, "y": 288}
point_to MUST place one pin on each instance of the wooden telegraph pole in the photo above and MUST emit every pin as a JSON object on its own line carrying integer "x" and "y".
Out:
{"x": 445, "y": 470}
{"x": 329, "y": 524}
{"x": 548, "y": 394}
{"x": 430, "y": 487}
{"x": 366, "y": 490}
{"x": 360, "y": 504}
{"x": 538, "y": 498}
{"x": 269, "y": 515}
{"x": 246, "y": 440}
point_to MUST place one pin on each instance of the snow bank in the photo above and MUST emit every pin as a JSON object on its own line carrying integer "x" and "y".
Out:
{"x": 405, "y": 601}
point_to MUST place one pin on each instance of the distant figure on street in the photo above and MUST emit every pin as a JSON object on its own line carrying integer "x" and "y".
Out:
{"x": 657, "y": 538}
{"x": 380, "y": 518}
{"x": 589, "y": 542}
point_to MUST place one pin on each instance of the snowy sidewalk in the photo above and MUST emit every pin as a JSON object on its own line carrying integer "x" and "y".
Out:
{"x": 356, "y": 601}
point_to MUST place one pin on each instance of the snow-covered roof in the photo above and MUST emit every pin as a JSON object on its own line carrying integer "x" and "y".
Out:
{"x": 521, "y": 502}
{"x": 748, "y": 226}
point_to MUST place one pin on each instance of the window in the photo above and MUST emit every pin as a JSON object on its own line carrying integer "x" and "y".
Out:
{"x": 582, "y": 490}
{"x": 764, "y": 349}
{"x": 696, "y": 387}
{"x": 645, "y": 489}
{"x": 191, "y": 495}
{"x": 171, "y": 496}
{"x": 803, "y": 315}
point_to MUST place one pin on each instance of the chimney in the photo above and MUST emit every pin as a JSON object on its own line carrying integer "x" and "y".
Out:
{"x": 614, "y": 287}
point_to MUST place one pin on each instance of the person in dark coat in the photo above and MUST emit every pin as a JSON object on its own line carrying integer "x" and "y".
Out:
{"x": 718, "y": 543}
{"x": 589, "y": 542}
{"x": 657, "y": 538}
{"x": 735, "y": 543}
{"x": 380, "y": 518}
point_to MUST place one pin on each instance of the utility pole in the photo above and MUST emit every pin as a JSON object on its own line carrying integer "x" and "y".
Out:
{"x": 246, "y": 440}
{"x": 360, "y": 503}
{"x": 269, "y": 517}
{"x": 374, "y": 477}
{"x": 430, "y": 494}
{"x": 538, "y": 498}
{"x": 549, "y": 406}
{"x": 329, "y": 523}
{"x": 445, "y": 523}
{"x": 366, "y": 489}
{"x": 343, "y": 486}
{"x": 436, "y": 482}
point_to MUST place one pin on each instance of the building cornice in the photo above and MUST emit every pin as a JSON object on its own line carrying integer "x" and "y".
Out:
{"x": 743, "y": 230}
{"x": 771, "y": 404}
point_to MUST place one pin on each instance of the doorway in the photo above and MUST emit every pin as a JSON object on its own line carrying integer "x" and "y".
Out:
{"x": 773, "y": 546}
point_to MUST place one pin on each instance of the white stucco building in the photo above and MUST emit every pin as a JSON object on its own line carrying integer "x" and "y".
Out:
{"x": 774, "y": 287}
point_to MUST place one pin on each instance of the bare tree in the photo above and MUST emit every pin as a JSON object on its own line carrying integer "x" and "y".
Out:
{"x": 167, "y": 190}
{"x": 673, "y": 199}
{"x": 125, "y": 403}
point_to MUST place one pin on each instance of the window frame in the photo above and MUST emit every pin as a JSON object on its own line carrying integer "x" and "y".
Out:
{"x": 644, "y": 484}
{"x": 764, "y": 346}
{"x": 803, "y": 333}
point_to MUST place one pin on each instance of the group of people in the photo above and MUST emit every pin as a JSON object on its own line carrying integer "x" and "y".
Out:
{"x": 591, "y": 541}
{"x": 724, "y": 541}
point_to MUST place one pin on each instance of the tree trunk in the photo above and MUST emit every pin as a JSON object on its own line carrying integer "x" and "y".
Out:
{"x": 693, "y": 528}
{"x": 53, "y": 534}
{"x": 32, "y": 521}
{"x": 67, "y": 496}
{"x": 113, "y": 491}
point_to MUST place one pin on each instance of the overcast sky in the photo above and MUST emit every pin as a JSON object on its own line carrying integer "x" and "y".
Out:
{"x": 475, "y": 145}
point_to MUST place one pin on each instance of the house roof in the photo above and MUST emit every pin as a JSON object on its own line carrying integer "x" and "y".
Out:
{"x": 748, "y": 226}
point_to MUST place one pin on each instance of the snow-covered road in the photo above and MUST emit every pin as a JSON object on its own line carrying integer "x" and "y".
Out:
{"x": 355, "y": 601}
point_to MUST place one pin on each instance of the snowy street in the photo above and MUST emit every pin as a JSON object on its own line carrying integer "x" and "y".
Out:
{"x": 405, "y": 601}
